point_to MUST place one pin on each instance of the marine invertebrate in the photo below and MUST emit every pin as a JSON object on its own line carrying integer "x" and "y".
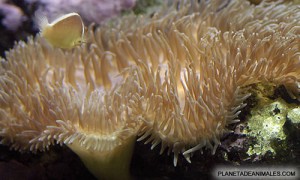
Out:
{"x": 175, "y": 79}
{"x": 52, "y": 105}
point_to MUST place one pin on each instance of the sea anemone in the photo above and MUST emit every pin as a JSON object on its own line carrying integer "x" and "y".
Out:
{"x": 62, "y": 97}
{"x": 176, "y": 79}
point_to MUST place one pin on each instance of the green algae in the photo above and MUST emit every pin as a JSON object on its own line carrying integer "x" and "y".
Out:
{"x": 146, "y": 6}
{"x": 266, "y": 124}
